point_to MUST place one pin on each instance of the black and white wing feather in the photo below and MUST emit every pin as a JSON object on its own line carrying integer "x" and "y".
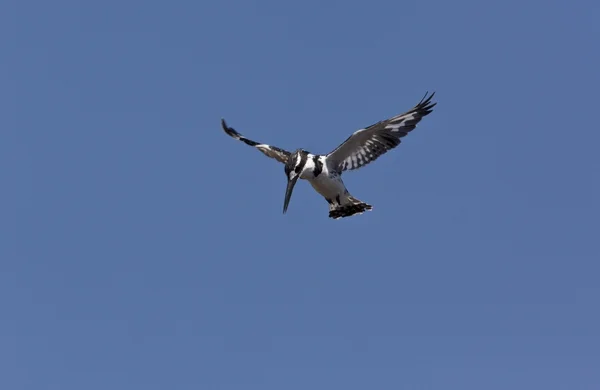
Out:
{"x": 366, "y": 145}
{"x": 271, "y": 151}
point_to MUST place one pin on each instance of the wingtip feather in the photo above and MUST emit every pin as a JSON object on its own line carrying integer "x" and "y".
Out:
{"x": 229, "y": 130}
{"x": 425, "y": 104}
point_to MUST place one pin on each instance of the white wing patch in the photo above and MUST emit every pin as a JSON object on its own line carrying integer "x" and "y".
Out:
{"x": 396, "y": 126}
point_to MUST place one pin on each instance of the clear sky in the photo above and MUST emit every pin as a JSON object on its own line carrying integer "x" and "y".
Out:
{"x": 142, "y": 248}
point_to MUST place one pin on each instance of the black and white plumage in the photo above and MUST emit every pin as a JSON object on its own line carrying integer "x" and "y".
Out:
{"x": 324, "y": 172}
{"x": 271, "y": 151}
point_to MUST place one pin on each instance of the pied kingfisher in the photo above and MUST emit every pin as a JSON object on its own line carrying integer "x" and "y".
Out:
{"x": 324, "y": 172}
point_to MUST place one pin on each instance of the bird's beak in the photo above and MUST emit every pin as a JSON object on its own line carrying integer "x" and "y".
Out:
{"x": 288, "y": 192}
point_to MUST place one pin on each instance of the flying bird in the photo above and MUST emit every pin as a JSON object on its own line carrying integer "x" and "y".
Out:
{"x": 324, "y": 172}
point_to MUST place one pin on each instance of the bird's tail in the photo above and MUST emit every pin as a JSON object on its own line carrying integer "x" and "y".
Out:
{"x": 348, "y": 207}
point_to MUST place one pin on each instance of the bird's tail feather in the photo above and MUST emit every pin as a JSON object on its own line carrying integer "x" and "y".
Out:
{"x": 349, "y": 207}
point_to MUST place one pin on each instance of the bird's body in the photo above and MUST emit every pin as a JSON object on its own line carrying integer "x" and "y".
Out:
{"x": 324, "y": 172}
{"x": 327, "y": 181}
{"x": 328, "y": 184}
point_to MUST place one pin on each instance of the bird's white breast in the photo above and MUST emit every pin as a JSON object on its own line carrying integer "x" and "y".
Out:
{"x": 326, "y": 184}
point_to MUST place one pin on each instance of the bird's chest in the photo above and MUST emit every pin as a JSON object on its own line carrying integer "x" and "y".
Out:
{"x": 328, "y": 185}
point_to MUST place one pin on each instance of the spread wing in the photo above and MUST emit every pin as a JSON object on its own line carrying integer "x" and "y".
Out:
{"x": 271, "y": 151}
{"x": 366, "y": 145}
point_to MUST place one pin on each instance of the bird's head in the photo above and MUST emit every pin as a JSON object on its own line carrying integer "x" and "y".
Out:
{"x": 293, "y": 169}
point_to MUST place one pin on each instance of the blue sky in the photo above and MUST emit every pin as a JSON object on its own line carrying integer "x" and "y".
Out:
{"x": 143, "y": 248}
